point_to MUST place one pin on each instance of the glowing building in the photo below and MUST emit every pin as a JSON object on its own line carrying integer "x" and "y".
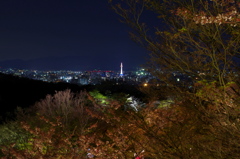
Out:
{"x": 121, "y": 69}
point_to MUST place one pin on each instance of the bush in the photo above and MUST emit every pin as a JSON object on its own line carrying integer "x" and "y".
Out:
{"x": 194, "y": 127}
{"x": 67, "y": 105}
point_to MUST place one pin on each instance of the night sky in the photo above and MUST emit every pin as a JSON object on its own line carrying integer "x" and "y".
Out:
{"x": 65, "y": 34}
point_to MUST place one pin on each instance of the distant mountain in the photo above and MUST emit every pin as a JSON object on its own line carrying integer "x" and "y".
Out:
{"x": 77, "y": 63}
{"x": 53, "y": 63}
{"x": 16, "y": 63}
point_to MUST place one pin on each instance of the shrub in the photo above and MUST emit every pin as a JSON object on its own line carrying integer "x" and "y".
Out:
{"x": 67, "y": 105}
{"x": 51, "y": 141}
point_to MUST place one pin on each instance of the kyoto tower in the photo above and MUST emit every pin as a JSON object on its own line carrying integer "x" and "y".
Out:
{"x": 121, "y": 70}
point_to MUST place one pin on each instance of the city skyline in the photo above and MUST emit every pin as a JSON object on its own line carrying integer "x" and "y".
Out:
{"x": 45, "y": 33}
{"x": 74, "y": 63}
{"x": 83, "y": 77}
{"x": 19, "y": 66}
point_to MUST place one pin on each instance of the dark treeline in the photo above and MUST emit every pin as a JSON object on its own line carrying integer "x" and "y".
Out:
{"x": 23, "y": 92}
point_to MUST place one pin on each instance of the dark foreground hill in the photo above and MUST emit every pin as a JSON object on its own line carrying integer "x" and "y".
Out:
{"x": 23, "y": 92}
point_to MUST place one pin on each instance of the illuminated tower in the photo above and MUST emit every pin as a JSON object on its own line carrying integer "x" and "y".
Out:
{"x": 121, "y": 71}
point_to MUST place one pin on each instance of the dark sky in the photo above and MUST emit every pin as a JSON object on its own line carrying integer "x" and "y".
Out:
{"x": 70, "y": 34}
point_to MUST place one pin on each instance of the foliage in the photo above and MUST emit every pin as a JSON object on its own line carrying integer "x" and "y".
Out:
{"x": 12, "y": 133}
{"x": 199, "y": 40}
{"x": 178, "y": 44}
{"x": 180, "y": 130}
{"x": 98, "y": 96}
{"x": 201, "y": 122}
{"x": 52, "y": 141}
{"x": 67, "y": 105}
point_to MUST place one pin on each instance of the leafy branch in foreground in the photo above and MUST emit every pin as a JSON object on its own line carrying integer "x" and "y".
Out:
{"x": 179, "y": 130}
{"x": 50, "y": 141}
